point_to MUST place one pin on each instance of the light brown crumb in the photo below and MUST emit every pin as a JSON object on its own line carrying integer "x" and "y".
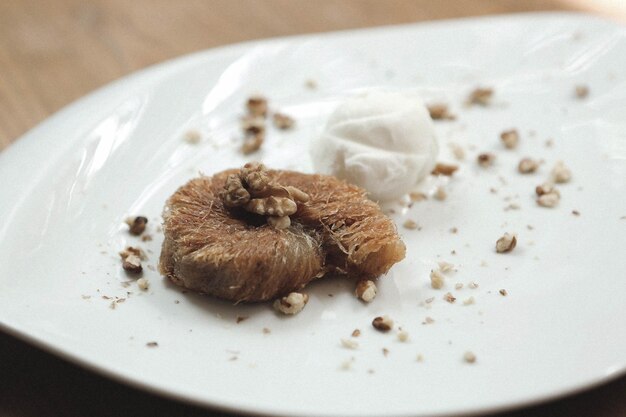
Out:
{"x": 458, "y": 286}
{"x": 445, "y": 266}
{"x": 347, "y": 364}
{"x": 252, "y": 143}
{"x": 473, "y": 285}
{"x": 403, "y": 336}
{"x": 457, "y": 151}
{"x": 436, "y": 279}
{"x": 485, "y": 159}
{"x": 429, "y": 300}
{"x": 257, "y": 105}
{"x": 549, "y": 143}
{"x": 512, "y": 206}
{"x": 192, "y": 137}
{"x": 440, "y": 111}
{"x": 527, "y": 166}
{"x": 136, "y": 225}
{"x": 454, "y": 230}
{"x": 419, "y": 358}
{"x": 292, "y": 303}
{"x": 239, "y": 319}
{"x": 480, "y": 96}
{"x": 366, "y": 290}
{"x": 311, "y": 84}
{"x": 416, "y": 197}
{"x": 383, "y": 324}
{"x": 410, "y": 224}
{"x": 266, "y": 330}
{"x": 503, "y": 292}
{"x": 449, "y": 298}
{"x": 547, "y": 195}
{"x": 560, "y": 173}
{"x": 152, "y": 344}
{"x": 146, "y": 237}
{"x": 428, "y": 320}
{"x": 469, "y": 357}
{"x": 510, "y": 138}
{"x": 349, "y": 344}
{"x": 143, "y": 284}
{"x": 506, "y": 243}
{"x": 581, "y": 91}
{"x": 253, "y": 125}
{"x": 282, "y": 121}
{"x": 356, "y": 333}
{"x": 576, "y": 212}
{"x": 131, "y": 259}
{"x": 385, "y": 352}
{"x": 468, "y": 301}
{"x": 444, "y": 169}
{"x": 85, "y": 297}
{"x": 440, "y": 194}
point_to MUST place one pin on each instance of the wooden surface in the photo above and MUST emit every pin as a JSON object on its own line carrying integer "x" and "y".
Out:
{"x": 54, "y": 51}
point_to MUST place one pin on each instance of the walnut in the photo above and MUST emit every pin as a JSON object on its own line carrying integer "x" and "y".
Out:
{"x": 436, "y": 279}
{"x": 272, "y": 206}
{"x": 252, "y": 143}
{"x": 143, "y": 284}
{"x": 510, "y": 138}
{"x": 257, "y": 106}
{"x": 469, "y": 357}
{"x": 440, "y": 111}
{"x": 480, "y": 96}
{"x": 449, "y": 297}
{"x": 366, "y": 290}
{"x": 403, "y": 336}
{"x": 131, "y": 260}
{"x": 506, "y": 243}
{"x": 253, "y": 125}
{"x": 292, "y": 303}
{"x": 440, "y": 194}
{"x": 410, "y": 224}
{"x": 136, "y": 225}
{"x": 236, "y": 195}
{"x": 560, "y": 173}
{"x": 444, "y": 169}
{"x": 547, "y": 195}
{"x": 527, "y": 166}
{"x": 485, "y": 159}
{"x": 350, "y": 344}
{"x": 581, "y": 91}
{"x": 383, "y": 324}
{"x": 282, "y": 121}
{"x": 279, "y": 223}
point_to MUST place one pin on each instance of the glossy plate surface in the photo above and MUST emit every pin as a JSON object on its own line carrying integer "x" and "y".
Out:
{"x": 68, "y": 185}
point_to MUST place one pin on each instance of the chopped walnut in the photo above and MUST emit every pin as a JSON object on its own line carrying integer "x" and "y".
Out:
{"x": 503, "y": 292}
{"x": 547, "y": 195}
{"x": 436, "y": 279}
{"x": 143, "y": 284}
{"x": 416, "y": 197}
{"x": 252, "y": 143}
{"x": 473, "y": 285}
{"x": 440, "y": 111}
{"x": 457, "y": 151}
{"x": 560, "y": 173}
{"x": 440, "y": 194}
{"x": 410, "y": 224}
{"x": 257, "y": 105}
{"x": 527, "y": 166}
{"x": 311, "y": 84}
{"x": 485, "y": 159}
{"x": 383, "y": 324}
{"x": 469, "y": 357}
{"x": 131, "y": 259}
{"x": 449, "y": 297}
{"x": 137, "y": 225}
{"x": 510, "y": 138}
{"x": 468, "y": 301}
{"x": 292, "y": 303}
{"x": 444, "y": 169}
{"x": 253, "y": 125}
{"x": 366, "y": 290}
{"x": 350, "y": 344}
{"x": 480, "y": 96}
{"x": 152, "y": 344}
{"x": 506, "y": 243}
{"x": 356, "y": 333}
{"x": 272, "y": 206}
{"x": 192, "y": 137}
{"x": 458, "y": 286}
{"x": 581, "y": 91}
{"x": 445, "y": 266}
{"x": 282, "y": 121}
{"x": 279, "y": 223}
{"x": 403, "y": 335}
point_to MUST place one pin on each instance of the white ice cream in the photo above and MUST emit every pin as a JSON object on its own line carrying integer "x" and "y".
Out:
{"x": 384, "y": 142}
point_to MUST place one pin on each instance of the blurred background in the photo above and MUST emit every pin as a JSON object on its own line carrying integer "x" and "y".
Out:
{"x": 55, "y": 51}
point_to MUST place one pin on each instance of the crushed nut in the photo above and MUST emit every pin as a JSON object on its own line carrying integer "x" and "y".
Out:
{"x": 416, "y": 197}
{"x": 282, "y": 121}
{"x": 444, "y": 169}
{"x": 279, "y": 223}
{"x": 486, "y": 159}
{"x": 385, "y": 352}
{"x": 383, "y": 324}
{"x": 457, "y": 151}
{"x": 356, "y": 333}
{"x": 468, "y": 301}
{"x": 547, "y": 195}
{"x": 410, "y": 224}
{"x": 239, "y": 319}
{"x": 136, "y": 225}
{"x": 510, "y": 138}
{"x": 506, "y": 243}
{"x": 473, "y": 285}
{"x": 192, "y": 137}
{"x": 440, "y": 194}
{"x": 152, "y": 344}
{"x": 428, "y": 320}
{"x": 131, "y": 259}
{"x": 436, "y": 279}
{"x": 366, "y": 290}
{"x": 458, "y": 286}
{"x": 252, "y": 143}
{"x": 440, "y": 111}
{"x": 503, "y": 292}
{"x": 403, "y": 335}
{"x": 469, "y": 357}
{"x": 257, "y": 106}
{"x": 445, "y": 266}
{"x": 560, "y": 173}
{"x": 480, "y": 96}
{"x": 143, "y": 284}
{"x": 576, "y": 212}
{"x": 253, "y": 125}
{"x": 311, "y": 84}
{"x": 350, "y": 344}
{"x": 527, "y": 166}
{"x": 449, "y": 297}
{"x": 581, "y": 91}
{"x": 292, "y": 303}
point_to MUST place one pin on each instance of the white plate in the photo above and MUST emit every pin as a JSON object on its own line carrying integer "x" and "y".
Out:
{"x": 69, "y": 183}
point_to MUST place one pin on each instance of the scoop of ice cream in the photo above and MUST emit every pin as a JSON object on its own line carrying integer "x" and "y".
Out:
{"x": 384, "y": 142}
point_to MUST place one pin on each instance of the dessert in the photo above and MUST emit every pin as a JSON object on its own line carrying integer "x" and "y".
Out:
{"x": 218, "y": 243}
{"x": 384, "y": 142}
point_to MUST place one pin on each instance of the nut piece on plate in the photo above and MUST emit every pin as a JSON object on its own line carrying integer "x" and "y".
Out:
{"x": 252, "y": 143}
{"x": 366, "y": 290}
{"x": 581, "y": 91}
{"x": 383, "y": 324}
{"x": 440, "y": 111}
{"x": 560, "y": 173}
{"x": 436, "y": 279}
{"x": 282, "y": 121}
{"x": 485, "y": 159}
{"x": 527, "y": 166}
{"x": 292, "y": 303}
{"x": 257, "y": 105}
{"x": 444, "y": 169}
{"x": 480, "y": 96}
{"x": 510, "y": 138}
{"x": 136, "y": 225}
{"x": 506, "y": 243}
{"x": 547, "y": 195}
{"x": 131, "y": 259}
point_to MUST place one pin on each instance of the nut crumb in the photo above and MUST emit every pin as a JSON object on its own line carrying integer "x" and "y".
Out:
{"x": 457, "y": 151}
{"x": 581, "y": 91}
{"x": 449, "y": 298}
{"x": 503, "y": 292}
{"x": 468, "y": 301}
{"x": 152, "y": 344}
{"x": 410, "y": 224}
{"x": 385, "y": 352}
{"x": 311, "y": 84}
{"x": 576, "y": 212}
{"x": 440, "y": 194}
{"x": 428, "y": 320}
{"x": 143, "y": 284}
{"x": 356, "y": 333}
{"x": 252, "y": 143}
{"x": 440, "y": 111}
{"x": 473, "y": 285}
{"x": 266, "y": 330}
{"x": 136, "y": 225}
{"x": 560, "y": 173}
{"x": 403, "y": 336}
{"x": 444, "y": 169}
{"x": 347, "y": 364}
{"x": 416, "y": 197}
{"x": 510, "y": 138}
{"x": 445, "y": 266}
{"x": 366, "y": 290}
{"x": 485, "y": 159}
{"x": 192, "y": 137}
{"x": 239, "y": 319}
{"x": 131, "y": 259}
{"x": 383, "y": 324}
{"x": 257, "y": 105}
{"x": 527, "y": 166}
{"x": 349, "y": 344}
{"x": 506, "y": 243}
{"x": 292, "y": 303}
{"x": 548, "y": 195}
{"x": 282, "y": 121}
{"x": 436, "y": 279}
{"x": 454, "y": 230}
{"x": 458, "y": 286}
{"x": 480, "y": 96}
{"x": 469, "y": 357}
{"x": 419, "y": 358}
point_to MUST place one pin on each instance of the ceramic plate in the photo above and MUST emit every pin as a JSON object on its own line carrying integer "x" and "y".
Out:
{"x": 68, "y": 185}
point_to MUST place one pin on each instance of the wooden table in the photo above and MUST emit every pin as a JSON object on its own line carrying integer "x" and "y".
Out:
{"x": 54, "y": 51}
